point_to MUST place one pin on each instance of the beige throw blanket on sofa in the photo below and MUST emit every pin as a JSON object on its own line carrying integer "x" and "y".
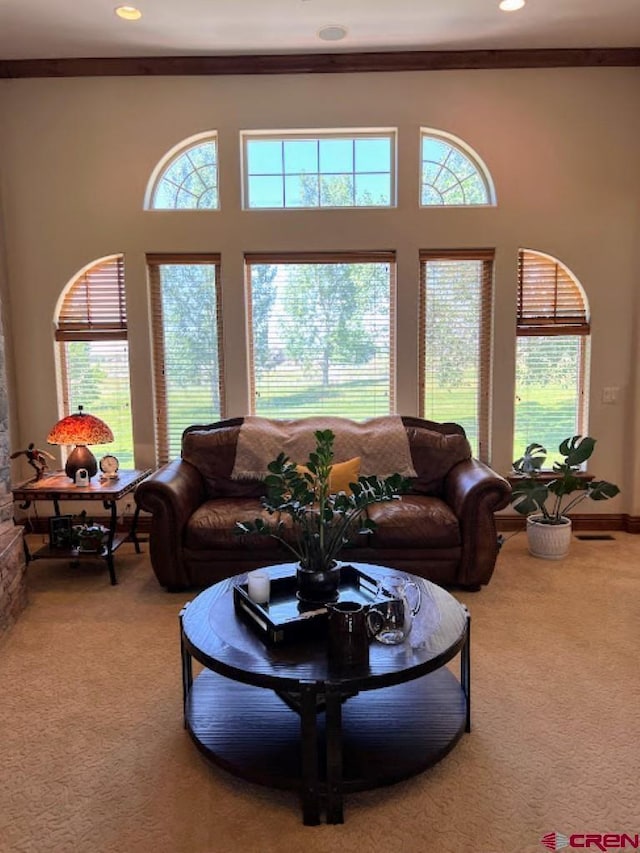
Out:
{"x": 381, "y": 443}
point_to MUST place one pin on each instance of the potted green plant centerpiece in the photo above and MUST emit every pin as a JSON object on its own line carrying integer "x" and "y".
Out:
{"x": 313, "y": 523}
{"x": 546, "y": 497}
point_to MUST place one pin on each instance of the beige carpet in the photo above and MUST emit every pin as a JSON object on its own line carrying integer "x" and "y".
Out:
{"x": 94, "y": 759}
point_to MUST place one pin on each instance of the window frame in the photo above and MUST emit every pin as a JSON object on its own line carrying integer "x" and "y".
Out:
{"x": 467, "y": 151}
{"x": 485, "y": 332}
{"x": 328, "y": 258}
{"x": 168, "y": 159}
{"x": 92, "y": 311}
{"x": 317, "y": 135}
{"x": 161, "y": 413}
{"x": 556, "y": 321}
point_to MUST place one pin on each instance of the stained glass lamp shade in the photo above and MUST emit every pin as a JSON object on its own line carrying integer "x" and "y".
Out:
{"x": 80, "y": 429}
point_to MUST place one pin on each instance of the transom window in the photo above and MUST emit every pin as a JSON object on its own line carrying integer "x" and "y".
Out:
{"x": 552, "y": 348}
{"x": 322, "y": 334}
{"x": 93, "y": 352}
{"x": 451, "y": 173}
{"x": 455, "y": 328}
{"x": 310, "y": 170}
{"x": 187, "y": 177}
{"x": 187, "y": 346}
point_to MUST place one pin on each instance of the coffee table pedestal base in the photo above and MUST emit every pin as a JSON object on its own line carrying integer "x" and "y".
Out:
{"x": 383, "y": 737}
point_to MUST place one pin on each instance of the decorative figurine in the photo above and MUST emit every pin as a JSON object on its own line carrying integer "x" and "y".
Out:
{"x": 35, "y": 458}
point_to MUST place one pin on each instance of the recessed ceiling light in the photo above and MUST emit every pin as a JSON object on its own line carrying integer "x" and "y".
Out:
{"x": 129, "y": 13}
{"x": 511, "y": 5}
{"x": 332, "y": 33}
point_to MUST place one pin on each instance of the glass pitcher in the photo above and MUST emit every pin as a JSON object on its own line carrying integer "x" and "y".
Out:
{"x": 390, "y": 617}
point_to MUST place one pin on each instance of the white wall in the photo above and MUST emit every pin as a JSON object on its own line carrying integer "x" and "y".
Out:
{"x": 561, "y": 146}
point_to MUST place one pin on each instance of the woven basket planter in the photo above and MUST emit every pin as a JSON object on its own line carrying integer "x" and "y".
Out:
{"x": 548, "y": 541}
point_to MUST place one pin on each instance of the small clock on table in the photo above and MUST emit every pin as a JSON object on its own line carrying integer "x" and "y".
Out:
{"x": 109, "y": 466}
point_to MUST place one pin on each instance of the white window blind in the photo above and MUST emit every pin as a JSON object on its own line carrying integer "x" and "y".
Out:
{"x": 322, "y": 334}
{"x": 455, "y": 328}
{"x": 553, "y": 331}
{"x": 93, "y": 352}
{"x": 187, "y": 346}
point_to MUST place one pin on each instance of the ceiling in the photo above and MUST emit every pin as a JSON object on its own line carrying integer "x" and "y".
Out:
{"x": 50, "y": 29}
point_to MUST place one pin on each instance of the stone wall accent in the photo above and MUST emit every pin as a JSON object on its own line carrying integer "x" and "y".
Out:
{"x": 13, "y": 576}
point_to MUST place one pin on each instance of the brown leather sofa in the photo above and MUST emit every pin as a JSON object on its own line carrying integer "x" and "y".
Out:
{"x": 442, "y": 530}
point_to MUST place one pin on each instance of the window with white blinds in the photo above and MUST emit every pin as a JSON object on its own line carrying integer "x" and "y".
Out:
{"x": 322, "y": 334}
{"x": 187, "y": 346}
{"x": 93, "y": 352}
{"x": 553, "y": 333}
{"x": 455, "y": 347}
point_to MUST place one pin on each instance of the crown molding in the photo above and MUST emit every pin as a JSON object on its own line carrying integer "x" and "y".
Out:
{"x": 320, "y": 63}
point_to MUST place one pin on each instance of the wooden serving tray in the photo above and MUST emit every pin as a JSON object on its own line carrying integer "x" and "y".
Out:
{"x": 285, "y": 619}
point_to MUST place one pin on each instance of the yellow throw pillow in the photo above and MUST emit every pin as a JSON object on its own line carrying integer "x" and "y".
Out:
{"x": 302, "y": 470}
{"x": 342, "y": 473}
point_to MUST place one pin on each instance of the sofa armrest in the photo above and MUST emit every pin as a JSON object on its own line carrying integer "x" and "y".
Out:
{"x": 171, "y": 494}
{"x": 475, "y": 492}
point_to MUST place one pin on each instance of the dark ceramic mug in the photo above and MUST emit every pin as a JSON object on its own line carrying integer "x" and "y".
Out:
{"x": 348, "y": 635}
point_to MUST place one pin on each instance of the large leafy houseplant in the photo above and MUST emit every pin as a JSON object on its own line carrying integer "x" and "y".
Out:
{"x": 552, "y": 497}
{"x": 320, "y": 523}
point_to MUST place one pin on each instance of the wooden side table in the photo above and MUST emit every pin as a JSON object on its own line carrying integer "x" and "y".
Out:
{"x": 57, "y": 487}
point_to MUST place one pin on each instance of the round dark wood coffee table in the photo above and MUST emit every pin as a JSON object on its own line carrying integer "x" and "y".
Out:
{"x": 279, "y": 716}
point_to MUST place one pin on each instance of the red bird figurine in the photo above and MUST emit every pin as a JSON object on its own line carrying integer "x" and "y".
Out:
{"x": 35, "y": 458}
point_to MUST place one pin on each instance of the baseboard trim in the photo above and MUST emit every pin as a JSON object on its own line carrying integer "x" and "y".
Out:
{"x": 581, "y": 521}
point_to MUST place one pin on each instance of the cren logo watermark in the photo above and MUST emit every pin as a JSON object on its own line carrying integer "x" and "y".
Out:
{"x": 592, "y": 841}
{"x": 554, "y": 840}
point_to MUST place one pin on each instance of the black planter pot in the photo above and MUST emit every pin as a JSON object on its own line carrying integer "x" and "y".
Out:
{"x": 318, "y": 587}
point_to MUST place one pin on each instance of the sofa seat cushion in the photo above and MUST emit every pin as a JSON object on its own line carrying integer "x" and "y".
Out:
{"x": 213, "y": 525}
{"x": 414, "y": 521}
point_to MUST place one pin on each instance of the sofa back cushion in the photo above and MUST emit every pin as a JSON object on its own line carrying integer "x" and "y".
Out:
{"x": 434, "y": 454}
{"x": 213, "y": 452}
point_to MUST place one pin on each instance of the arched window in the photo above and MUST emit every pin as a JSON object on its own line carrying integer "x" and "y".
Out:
{"x": 552, "y": 350}
{"x": 187, "y": 176}
{"x": 93, "y": 351}
{"x": 451, "y": 173}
